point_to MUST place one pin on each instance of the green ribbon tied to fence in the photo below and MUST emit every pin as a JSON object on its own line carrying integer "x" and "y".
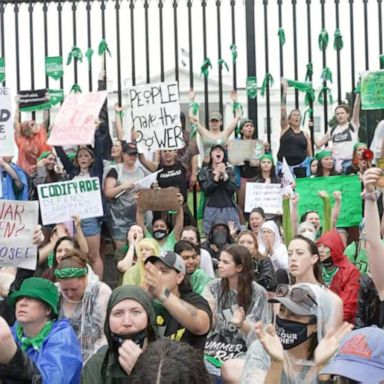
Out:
{"x": 309, "y": 73}
{"x": 237, "y": 106}
{"x": 103, "y": 47}
{"x": 323, "y": 40}
{"x": 268, "y": 81}
{"x": 358, "y": 88}
{"x": 75, "y": 88}
{"x": 326, "y": 75}
{"x": 381, "y": 58}
{"x": 75, "y": 54}
{"x": 88, "y": 54}
{"x": 222, "y": 62}
{"x": 2, "y": 69}
{"x": 204, "y": 69}
{"x": 252, "y": 87}
{"x": 233, "y": 49}
{"x": 195, "y": 110}
{"x": 325, "y": 91}
{"x": 281, "y": 35}
{"x": 309, "y": 95}
{"x": 338, "y": 40}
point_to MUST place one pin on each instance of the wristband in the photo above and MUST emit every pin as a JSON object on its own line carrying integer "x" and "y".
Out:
{"x": 373, "y": 196}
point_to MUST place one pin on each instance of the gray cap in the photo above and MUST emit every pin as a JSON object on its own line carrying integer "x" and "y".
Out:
{"x": 215, "y": 116}
{"x": 170, "y": 259}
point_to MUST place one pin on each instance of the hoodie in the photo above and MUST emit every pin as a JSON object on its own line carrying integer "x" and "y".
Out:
{"x": 104, "y": 367}
{"x": 346, "y": 282}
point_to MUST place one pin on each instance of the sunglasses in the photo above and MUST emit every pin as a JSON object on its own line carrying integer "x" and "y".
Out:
{"x": 297, "y": 294}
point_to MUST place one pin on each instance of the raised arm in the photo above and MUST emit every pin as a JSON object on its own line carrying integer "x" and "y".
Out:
{"x": 194, "y": 119}
{"x": 152, "y": 166}
{"x": 179, "y": 222}
{"x": 16, "y": 119}
{"x": 355, "y": 120}
{"x": 233, "y": 124}
{"x": 283, "y": 107}
{"x": 309, "y": 144}
{"x": 336, "y": 208}
{"x": 12, "y": 173}
{"x": 322, "y": 141}
{"x": 82, "y": 241}
{"x": 119, "y": 122}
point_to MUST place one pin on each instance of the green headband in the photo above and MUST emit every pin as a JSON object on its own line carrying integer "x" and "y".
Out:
{"x": 69, "y": 273}
{"x": 44, "y": 155}
{"x": 359, "y": 144}
{"x": 267, "y": 156}
{"x": 320, "y": 155}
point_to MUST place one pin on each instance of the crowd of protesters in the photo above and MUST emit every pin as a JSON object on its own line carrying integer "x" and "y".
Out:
{"x": 237, "y": 298}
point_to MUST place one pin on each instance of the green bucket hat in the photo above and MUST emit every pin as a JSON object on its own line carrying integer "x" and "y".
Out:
{"x": 37, "y": 288}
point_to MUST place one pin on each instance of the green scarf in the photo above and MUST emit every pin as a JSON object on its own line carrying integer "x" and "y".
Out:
{"x": 328, "y": 275}
{"x": 69, "y": 273}
{"x": 36, "y": 341}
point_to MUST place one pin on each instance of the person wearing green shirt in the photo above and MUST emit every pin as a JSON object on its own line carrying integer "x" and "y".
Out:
{"x": 190, "y": 254}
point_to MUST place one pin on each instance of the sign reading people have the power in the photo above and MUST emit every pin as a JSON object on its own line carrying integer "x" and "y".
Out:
{"x": 61, "y": 201}
{"x": 155, "y": 112}
{"x": 7, "y": 143}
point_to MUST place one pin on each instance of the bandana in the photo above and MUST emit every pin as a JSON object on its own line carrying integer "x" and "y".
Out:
{"x": 68, "y": 273}
{"x": 36, "y": 341}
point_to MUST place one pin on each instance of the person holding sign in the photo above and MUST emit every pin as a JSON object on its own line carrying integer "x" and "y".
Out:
{"x": 214, "y": 135}
{"x": 266, "y": 172}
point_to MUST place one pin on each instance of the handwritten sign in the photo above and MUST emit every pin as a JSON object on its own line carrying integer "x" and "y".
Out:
{"x": 372, "y": 90}
{"x": 244, "y": 150}
{"x": 162, "y": 199}
{"x": 266, "y": 196}
{"x": 60, "y": 201}
{"x": 155, "y": 112}
{"x": 75, "y": 121}
{"x": 7, "y": 146}
{"x": 18, "y": 220}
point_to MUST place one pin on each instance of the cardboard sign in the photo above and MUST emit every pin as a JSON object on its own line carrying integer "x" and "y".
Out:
{"x": 266, "y": 196}
{"x": 18, "y": 220}
{"x": 7, "y": 141}
{"x": 60, "y": 201}
{"x": 75, "y": 121}
{"x": 372, "y": 90}
{"x": 244, "y": 150}
{"x": 155, "y": 112}
{"x": 161, "y": 199}
{"x": 350, "y": 188}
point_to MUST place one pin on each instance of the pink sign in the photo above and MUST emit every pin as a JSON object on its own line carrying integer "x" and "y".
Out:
{"x": 75, "y": 121}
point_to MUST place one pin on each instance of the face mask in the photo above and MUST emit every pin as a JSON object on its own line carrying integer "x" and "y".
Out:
{"x": 291, "y": 333}
{"x": 137, "y": 338}
{"x": 159, "y": 234}
{"x": 328, "y": 262}
{"x": 219, "y": 238}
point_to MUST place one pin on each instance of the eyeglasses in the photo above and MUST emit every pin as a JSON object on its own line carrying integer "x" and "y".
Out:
{"x": 296, "y": 294}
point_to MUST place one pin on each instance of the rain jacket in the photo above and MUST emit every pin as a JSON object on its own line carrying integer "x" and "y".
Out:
{"x": 346, "y": 282}
{"x": 104, "y": 367}
{"x": 58, "y": 361}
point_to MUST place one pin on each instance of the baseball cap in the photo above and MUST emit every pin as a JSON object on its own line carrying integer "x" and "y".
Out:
{"x": 360, "y": 356}
{"x": 215, "y": 116}
{"x": 300, "y": 300}
{"x": 129, "y": 148}
{"x": 170, "y": 259}
{"x": 37, "y": 288}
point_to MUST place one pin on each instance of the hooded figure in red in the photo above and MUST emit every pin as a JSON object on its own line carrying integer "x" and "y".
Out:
{"x": 346, "y": 281}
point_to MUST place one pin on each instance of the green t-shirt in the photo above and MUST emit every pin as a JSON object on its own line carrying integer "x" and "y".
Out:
{"x": 169, "y": 243}
{"x": 198, "y": 280}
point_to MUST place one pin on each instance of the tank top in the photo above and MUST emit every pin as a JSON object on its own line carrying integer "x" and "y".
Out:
{"x": 293, "y": 146}
{"x": 208, "y": 142}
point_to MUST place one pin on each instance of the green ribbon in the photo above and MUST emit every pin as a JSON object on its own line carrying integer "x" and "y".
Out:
{"x": 56, "y": 96}
{"x": 75, "y": 88}
{"x": 327, "y": 91}
{"x": 323, "y": 40}
{"x": 233, "y": 49}
{"x": 236, "y": 106}
{"x": 308, "y": 111}
{"x": 35, "y": 342}
{"x": 252, "y": 87}
{"x": 205, "y": 67}
{"x": 358, "y": 88}
{"x": 193, "y": 131}
{"x": 2, "y": 69}
{"x": 328, "y": 275}
{"x": 69, "y": 273}
{"x": 268, "y": 81}
{"x": 54, "y": 67}
{"x": 304, "y": 87}
{"x": 338, "y": 40}
{"x": 103, "y": 47}
{"x": 381, "y": 57}
{"x": 195, "y": 107}
{"x": 75, "y": 54}
{"x": 120, "y": 114}
{"x": 222, "y": 62}
{"x": 88, "y": 54}
{"x": 326, "y": 75}
{"x": 281, "y": 35}
{"x": 309, "y": 73}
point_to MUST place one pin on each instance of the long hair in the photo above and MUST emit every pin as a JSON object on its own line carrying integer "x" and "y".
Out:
{"x": 319, "y": 171}
{"x": 241, "y": 256}
{"x": 256, "y": 254}
{"x": 73, "y": 259}
{"x": 272, "y": 174}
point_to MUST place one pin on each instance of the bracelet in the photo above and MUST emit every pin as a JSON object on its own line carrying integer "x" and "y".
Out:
{"x": 373, "y": 196}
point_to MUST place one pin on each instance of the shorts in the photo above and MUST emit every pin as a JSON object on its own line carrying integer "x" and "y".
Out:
{"x": 91, "y": 226}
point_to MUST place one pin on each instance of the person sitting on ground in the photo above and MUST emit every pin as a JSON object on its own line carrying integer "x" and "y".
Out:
{"x": 39, "y": 348}
{"x": 130, "y": 326}
{"x": 256, "y": 219}
{"x": 181, "y": 314}
{"x": 190, "y": 254}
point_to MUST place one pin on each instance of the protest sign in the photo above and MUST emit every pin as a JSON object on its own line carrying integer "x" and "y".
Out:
{"x": 161, "y": 199}
{"x": 287, "y": 180}
{"x": 155, "y": 113}
{"x": 75, "y": 120}
{"x": 372, "y": 90}
{"x": 244, "y": 150}
{"x": 2, "y": 69}
{"x": 54, "y": 67}
{"x": 18, "y": 220}
{"x": 34, "y": 100}
{"x": 266, "y": 196}
{"x": 350, "y": 188}
{"x": 59, "y": 202}
{"x": 7, "y": 142}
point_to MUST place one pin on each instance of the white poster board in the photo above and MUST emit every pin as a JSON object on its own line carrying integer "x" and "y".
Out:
{"x": 7, "y": 141}
{"x": 266, "y": 196}
{"x": 18, "y": 220}
{"x": 59, "y": 202}
{"x": 155, "y": 113}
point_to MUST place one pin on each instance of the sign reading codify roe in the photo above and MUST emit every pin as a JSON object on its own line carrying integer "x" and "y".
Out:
{"x": 155, "y": 111}
{"x": 60, "y": 201}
